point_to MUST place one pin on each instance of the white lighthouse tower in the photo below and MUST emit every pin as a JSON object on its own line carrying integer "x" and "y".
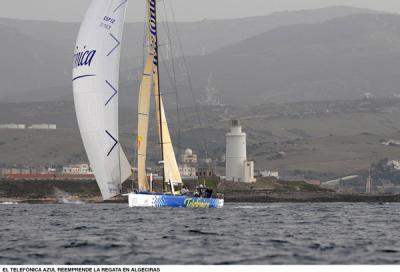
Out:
{"x": 237, "y": 167}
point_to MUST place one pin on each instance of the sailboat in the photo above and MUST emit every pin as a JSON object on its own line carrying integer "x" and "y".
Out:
{"x": 95, "y": 85}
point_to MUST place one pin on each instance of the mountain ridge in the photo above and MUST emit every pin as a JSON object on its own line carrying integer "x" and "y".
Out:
{"x": 36, "y": 63}
{"x": 342, "y": 58}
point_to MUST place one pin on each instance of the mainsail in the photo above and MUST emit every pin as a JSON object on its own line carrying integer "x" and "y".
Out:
{"x": 143, "y": 122}
{"x": 171, "y": 170}
{"x": 96, "y": 83}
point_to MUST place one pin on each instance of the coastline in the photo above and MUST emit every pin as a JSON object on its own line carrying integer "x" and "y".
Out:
{"x": 263, "y": 191}
{"x": 328, "y": 199}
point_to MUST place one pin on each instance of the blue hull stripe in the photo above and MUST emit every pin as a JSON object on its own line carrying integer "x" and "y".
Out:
{"x": 185, "y": 202}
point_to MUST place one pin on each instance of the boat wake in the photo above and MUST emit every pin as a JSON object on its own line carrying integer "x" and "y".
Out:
{"x": 66, "y": 198}
{"x": 9, "y": 203}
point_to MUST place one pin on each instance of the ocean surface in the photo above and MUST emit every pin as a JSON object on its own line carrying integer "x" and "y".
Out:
{"x": 310, "y": 233}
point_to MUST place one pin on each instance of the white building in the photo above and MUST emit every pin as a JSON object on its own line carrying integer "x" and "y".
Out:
{"x": 13, "y": 126}
{"x": 51, "y": 170}
{"x": 187, "y": 170}
{"x": 23, "y": 126}
{"x": 268, "y": 173}
{"x": 43, "y": 126}
{"x": 77, "y": 169}
{"x": 395, "y": 164}
{"x": 368, "y": 96}
{"x": 189, "y": 157}
{"x": 238, "y": 168}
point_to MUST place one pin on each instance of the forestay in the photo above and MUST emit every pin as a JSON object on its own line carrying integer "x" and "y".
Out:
{"x": 171, "y": 169}
{"x": 96, "y": 85}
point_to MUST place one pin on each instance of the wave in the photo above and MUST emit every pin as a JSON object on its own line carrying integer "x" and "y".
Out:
{"x": 248, "y": 207}
{"x": 65, "y": 200}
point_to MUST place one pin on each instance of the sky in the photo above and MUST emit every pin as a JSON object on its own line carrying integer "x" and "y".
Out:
{"x": 185, "y": 10}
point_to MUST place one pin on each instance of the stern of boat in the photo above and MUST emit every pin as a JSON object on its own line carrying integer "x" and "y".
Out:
{"x": 141, "y": 200}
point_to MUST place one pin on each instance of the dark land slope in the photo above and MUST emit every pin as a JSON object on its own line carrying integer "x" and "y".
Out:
{"x": 339, "y": 59}
{"x": 36, "y": 56}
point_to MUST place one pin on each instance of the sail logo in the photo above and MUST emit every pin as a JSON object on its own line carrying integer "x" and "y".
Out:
{"x": 153, "y": 18}
{"x": 109, "y": 19}
{"x": 139, "y": 141}
{"x": 84, "y": 58}
{"x": 192, "y": 203}
{"x": 153, "y": 29}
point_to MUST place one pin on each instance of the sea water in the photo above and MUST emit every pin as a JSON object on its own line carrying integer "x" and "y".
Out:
{"x": 309, "y": 233}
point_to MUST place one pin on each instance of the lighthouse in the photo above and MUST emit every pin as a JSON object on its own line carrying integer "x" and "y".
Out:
{"x": 238, "y": 168}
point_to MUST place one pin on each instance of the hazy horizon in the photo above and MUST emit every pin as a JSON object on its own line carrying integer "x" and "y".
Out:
{"x": 184, "y": 10}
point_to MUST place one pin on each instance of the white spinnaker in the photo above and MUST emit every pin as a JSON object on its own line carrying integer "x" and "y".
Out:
{"x": 96, "y": 84}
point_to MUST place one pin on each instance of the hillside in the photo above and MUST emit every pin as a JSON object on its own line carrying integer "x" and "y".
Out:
{"x": 322, "y": 140}
{"x": 35, "y": 59}
{"x": 338, "y": 59}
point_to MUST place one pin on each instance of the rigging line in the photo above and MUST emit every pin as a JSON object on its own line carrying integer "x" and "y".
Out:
{"x": 171, "y": 49}
{"x": 159, "y": 46}
{"x": 170, "y": 79}
{"x": 119, "y": 164}
{"x": 176, "y": 127}
{"x": 164, "y": 94}
{"x": 196, "y": 106}
{"x": 139, "y": 77}
{"x": 134, "y": 165}
{"x": 145, "y": 33}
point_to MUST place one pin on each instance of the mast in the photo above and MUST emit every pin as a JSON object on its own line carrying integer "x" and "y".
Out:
{"x": 154, "y": 45}
{"x": 160, "y": 113}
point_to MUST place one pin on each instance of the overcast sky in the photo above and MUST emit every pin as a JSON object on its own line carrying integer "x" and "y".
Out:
{"x": 185, "y": 10}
